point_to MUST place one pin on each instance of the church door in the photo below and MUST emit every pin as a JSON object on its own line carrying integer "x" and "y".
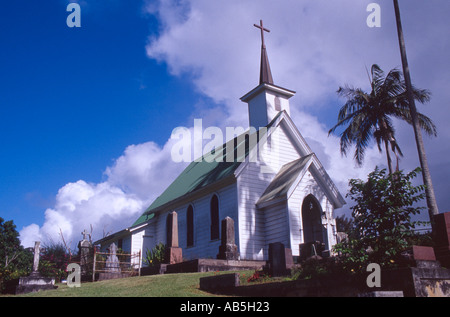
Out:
{"x": 312, "y": 220}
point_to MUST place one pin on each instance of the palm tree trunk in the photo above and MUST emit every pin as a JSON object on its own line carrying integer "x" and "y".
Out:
{"x": 429, "y": 191}
{"x": 397, "y": 167}
{"x": 388, "y": 155}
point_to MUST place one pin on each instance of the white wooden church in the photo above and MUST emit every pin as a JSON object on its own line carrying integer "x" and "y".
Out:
{"x": 276, "y": 190}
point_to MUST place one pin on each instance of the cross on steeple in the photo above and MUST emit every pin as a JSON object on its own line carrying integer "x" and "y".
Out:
{"x": 262, "y": 28}
{"x": 265, "y": 73}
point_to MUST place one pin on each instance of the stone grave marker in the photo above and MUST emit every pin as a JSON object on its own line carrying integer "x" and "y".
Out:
{"x": 35, "y": 282}
{"x": 277, "y": 259}
{"x": 228, "y": 250}
{"x": 442, "y": 238}
{"x": 112, "y": 264}
{"x": 85, "y": 251}
{"x": 174, "y": 253}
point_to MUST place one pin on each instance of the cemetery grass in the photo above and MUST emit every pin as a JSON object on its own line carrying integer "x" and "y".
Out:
{"x": 166, "y": 285}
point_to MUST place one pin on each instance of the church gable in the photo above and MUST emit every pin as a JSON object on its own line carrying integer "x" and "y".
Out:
{"x": 310, "y": 211}
{"x": 287, "y": 154}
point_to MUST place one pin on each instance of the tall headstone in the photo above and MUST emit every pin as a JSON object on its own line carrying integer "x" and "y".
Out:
{"x": 228, "y": 250}
{"x": 35, "y": 282}
{"x": 112, "y": 261}
{"x": 289, "y": 258}
{"x": 85, "y": 252}
{"x": 37, "y": 249}
{"x": 442, "y": 238}
{"x": 174, "y": 253}
{"x": 277, "y": 259}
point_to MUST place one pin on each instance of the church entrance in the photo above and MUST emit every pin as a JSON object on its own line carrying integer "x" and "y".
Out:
{"x": 313, "y": 230}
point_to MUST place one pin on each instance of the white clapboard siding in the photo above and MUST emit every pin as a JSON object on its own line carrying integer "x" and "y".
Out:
{"x": 136, "y": 247}
{"x": 136, "y": 241}
{"x": 143, "y": 240}
{"x": 276, "y": 225}
{"x": 252, "y": 182}
{"x": 279, "y": 149}
{"x": 251, "y": 185}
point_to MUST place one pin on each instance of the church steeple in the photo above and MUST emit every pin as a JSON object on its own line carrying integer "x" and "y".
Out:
{"x": 266, "y": 100}
{"x": 265, "y": 75}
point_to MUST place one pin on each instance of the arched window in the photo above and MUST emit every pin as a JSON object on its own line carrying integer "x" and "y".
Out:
{"x": 190, "y": 226}
{"x": 311, "y": 218}
{"x": 214, "y": 218}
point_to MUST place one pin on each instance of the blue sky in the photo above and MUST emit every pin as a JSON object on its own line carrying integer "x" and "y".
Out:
{"x": 86, "y": 113}
{"x": 74, "y": 98}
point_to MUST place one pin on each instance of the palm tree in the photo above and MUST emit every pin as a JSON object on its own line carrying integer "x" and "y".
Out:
{"x": 368, "y": 115}
{"x": 429, "y": 191}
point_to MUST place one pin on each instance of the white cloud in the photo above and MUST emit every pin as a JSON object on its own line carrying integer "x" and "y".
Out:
{"x": 80, "y": 205}
{"x": 133, "y": 181}
{"x": 144, "y": 169}
{"x": 30, "y": 234}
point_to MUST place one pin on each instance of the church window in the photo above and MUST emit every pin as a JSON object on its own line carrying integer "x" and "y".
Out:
{"x": 190, "y": 226}
{"x": 214, "y": 218}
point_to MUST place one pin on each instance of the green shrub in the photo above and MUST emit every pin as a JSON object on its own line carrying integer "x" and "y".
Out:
{"x": 382, "y": 225}
{"x": 15, "y": 261}
{"x": 53, "y": 261}
{"x": 155, "y": 256}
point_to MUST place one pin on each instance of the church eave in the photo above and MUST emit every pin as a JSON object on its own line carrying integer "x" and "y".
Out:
{"x": 322, "y": 177}
{"x": 268, "y": 203}
{"x": 271, "y": 87}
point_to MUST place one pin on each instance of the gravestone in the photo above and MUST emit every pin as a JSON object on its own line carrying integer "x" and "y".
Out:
{"x": 174, "y": 253}
{"x": 289, "y": 258}
{"x": 35, "y": 282}
{"x": 112, "y": 264}
{"x": 277, "y": 259}
{"x": 228, "y": 250}
{"x": 311, "y": 249}
{"x": 442, "y": 238}
{"x": 85, "y": 252}
{"x": 36, "y": 255}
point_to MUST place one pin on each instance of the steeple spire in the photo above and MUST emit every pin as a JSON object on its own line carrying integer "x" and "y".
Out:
{"x": 266, "y": 100}
{"x": 265, "y": 75}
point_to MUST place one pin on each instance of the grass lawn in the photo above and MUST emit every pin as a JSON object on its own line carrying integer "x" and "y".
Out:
{"x": 166, "y": 285}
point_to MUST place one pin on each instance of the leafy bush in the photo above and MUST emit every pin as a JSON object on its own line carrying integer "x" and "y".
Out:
{"x": 53, "y": 261}
{"x": 382, "y": 219}
{"x": 156, "y": 256}
{"x": 15, "y": 261}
